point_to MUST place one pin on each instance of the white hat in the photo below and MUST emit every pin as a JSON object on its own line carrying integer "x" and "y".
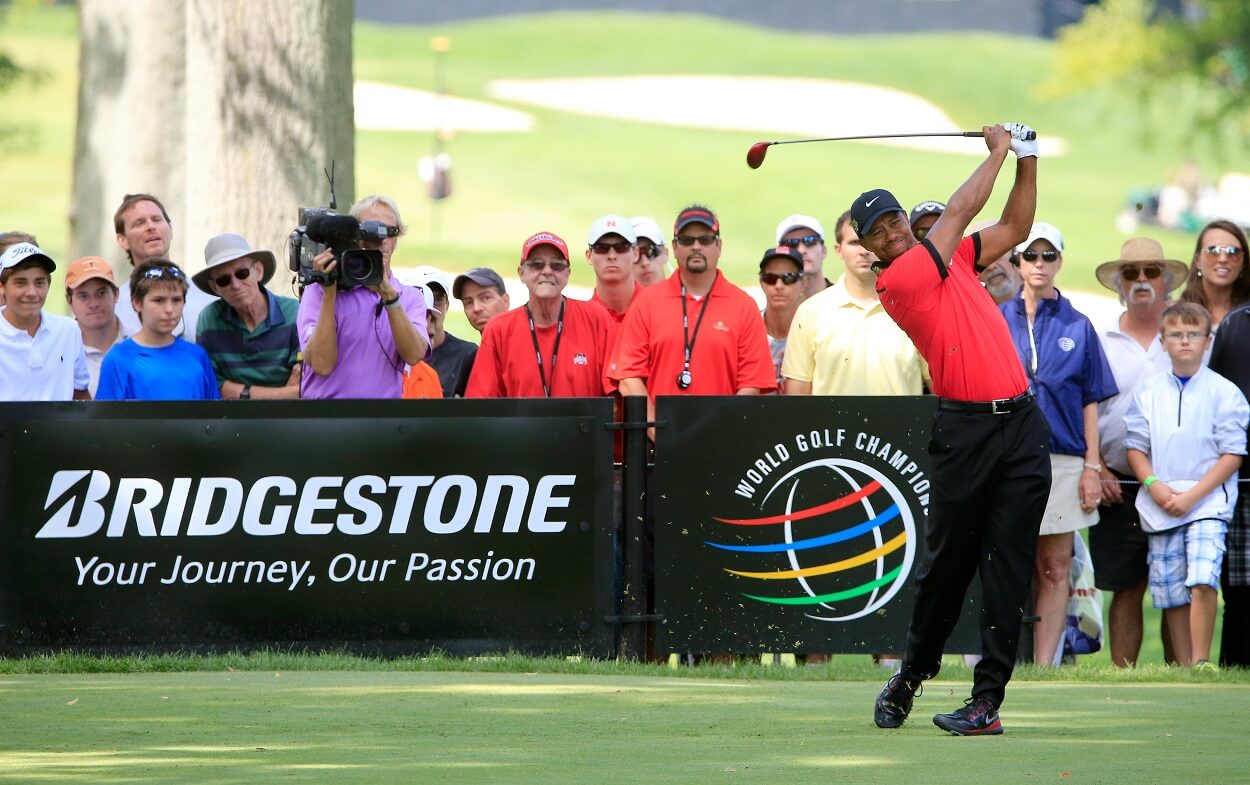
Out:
{"x": 1042, "y": 231}
{"x": 645, "y": 226}
{"x": 611, "y": 224}
{"x": 425, "y": 274}
{"x": 797, "y": 221}
{"x": 428, "y": 294}
{"x": 21, "y": 252}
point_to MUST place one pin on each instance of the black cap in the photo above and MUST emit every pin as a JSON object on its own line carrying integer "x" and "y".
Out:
{"x": 869, "y": 206}
{"x": 696, "y": 215}
{"x": 482, "y": 276}
{"x": 782, "y": 252}
{"x": 926, "y": 208}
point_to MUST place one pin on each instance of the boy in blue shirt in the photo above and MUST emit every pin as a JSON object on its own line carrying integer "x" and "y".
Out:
{"x": 152, "y": 364}
{"x": 1186, "y": 440}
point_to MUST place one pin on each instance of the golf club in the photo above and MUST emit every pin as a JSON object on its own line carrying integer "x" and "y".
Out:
{"x": 755, "y": 156}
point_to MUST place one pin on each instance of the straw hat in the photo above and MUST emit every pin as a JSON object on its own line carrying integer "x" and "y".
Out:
{"x": 1141, "y": 250}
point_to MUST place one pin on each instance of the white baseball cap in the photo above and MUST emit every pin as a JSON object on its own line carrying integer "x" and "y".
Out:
{"x": 1042, "y": 231}
{"x": 426, "y": 274}
{"x": 428, "y": 294}
{"x": 645, "y": 226}
{"x": 798, "y": 221}
{"x": 611, "y": 224}
{"x": 21, "y": 252}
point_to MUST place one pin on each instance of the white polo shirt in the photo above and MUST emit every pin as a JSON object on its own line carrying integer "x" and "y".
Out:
{"x": 48, "y": 366}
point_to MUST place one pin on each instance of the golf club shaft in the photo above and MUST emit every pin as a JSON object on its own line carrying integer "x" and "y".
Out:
{"x": 879, "y": 136}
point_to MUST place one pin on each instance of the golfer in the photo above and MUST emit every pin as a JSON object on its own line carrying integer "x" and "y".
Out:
{"x": 990, "y": 462}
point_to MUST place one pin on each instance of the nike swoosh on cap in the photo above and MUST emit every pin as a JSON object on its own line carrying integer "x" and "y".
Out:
{"x": 869, "y": 203}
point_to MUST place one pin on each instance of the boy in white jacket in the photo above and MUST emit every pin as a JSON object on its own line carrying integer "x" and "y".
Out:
{"x": 1186, "y": 439}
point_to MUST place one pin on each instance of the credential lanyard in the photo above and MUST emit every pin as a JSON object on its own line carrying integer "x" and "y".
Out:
{"x": 555, "y": 350}
{"x": 688, "y": 339}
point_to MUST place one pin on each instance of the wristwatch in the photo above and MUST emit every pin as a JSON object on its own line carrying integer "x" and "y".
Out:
{"x": 246, "y": 393}
{"x": 1094, "y": 466}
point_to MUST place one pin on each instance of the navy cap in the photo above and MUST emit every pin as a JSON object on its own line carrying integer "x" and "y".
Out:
{"x": 926, "y": 208}
{"x": 869, "y": 206}
{"x": 782, "y": 252}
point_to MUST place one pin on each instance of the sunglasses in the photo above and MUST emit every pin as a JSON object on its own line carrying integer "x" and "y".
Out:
{"x": 789, "y": 279}
{"x": 556, "y": 265}
{"x": 1031, "y": 256}
{"x": 164, "y": 272}
{"x": 620, "y": 247}
{"x": 921, "y": 233}
{"x": 808, "y": 239}
{"x": 705, "y": 240}
{"x": 1216, "y": 250}
{"x": 650, "y": 251}
{"x": 243, "y": 273}
{"x": 1131, "y": 273}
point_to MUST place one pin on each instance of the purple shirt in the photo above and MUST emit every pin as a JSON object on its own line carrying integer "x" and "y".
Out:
{"x": 369, "y": 365}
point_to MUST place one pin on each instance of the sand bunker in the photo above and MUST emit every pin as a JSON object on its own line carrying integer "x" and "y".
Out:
{"x": 770, "y": 105}
{"x": 383, "y": 107}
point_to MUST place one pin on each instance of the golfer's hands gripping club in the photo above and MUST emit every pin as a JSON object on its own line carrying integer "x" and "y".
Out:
{"x": 997, "y": 139}
{"x": 1023, "y": 140}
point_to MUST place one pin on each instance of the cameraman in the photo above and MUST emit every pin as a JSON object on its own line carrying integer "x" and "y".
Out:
{"x": 356, "y": 343}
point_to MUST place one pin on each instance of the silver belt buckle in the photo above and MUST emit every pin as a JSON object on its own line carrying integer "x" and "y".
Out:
{"x": 994, "y": 406}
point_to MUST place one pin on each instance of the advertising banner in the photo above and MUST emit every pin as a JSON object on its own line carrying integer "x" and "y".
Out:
{"x": 792, "y": 524}
{"x": 467, "y": 526}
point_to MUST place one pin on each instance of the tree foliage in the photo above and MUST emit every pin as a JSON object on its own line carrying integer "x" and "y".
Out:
{"x": 1201, "y": 57}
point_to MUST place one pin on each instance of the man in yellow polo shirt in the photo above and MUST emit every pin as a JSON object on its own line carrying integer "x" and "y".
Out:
{"x": 843, "y": 343}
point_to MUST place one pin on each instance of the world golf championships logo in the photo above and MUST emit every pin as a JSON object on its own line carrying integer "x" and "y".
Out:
{"x": 838, "y": 541}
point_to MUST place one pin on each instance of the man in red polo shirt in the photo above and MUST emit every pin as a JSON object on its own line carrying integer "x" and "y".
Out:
{"x": 551, "y": 347}
{"x": 696, "y": 333}
{"x": 612, "y": 250}
{"x": 990, "y": 461}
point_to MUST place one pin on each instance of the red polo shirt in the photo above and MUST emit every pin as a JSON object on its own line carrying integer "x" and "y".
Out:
{"x": 618, "y": 317}
{"x": 953, "y": 322}
{"x": 506, "y": 366}
{"x": 730, "y": 350}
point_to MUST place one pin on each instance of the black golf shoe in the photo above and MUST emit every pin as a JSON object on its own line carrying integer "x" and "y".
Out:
{"x": 894, "y": 702}
{"x": 978, "y": 717}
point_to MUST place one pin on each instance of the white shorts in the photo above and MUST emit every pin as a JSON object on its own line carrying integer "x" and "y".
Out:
{"x": 1063, "y": 508}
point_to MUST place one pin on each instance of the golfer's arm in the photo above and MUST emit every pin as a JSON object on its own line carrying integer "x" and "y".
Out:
{"x": 966, "y": 203}
{"x": 1017, "y": 218}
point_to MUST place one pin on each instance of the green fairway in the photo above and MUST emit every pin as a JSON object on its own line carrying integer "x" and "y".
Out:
{"x": 448, "y": 727}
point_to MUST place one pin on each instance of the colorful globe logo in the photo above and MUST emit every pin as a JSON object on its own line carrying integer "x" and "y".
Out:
{"x": 838, "y": 542}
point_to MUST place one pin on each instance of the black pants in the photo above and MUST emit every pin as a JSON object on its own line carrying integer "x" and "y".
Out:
{"x": 991, "y": 479}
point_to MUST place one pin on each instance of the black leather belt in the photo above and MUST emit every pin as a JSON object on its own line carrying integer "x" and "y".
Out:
{"x": 1001, "y": 406}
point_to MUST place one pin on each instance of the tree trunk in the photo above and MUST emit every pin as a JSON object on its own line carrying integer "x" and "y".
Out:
{"x": 129, "y": 137}
{"x": 267, "y": 105}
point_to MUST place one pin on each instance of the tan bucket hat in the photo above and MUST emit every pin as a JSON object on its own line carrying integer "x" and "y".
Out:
{"x": 1141, "y": 250}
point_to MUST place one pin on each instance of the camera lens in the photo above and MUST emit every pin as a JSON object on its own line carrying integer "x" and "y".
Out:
{"x": 356, "y": 267}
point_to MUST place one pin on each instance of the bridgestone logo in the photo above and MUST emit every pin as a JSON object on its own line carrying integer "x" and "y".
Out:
{"x": 83, "y": 502}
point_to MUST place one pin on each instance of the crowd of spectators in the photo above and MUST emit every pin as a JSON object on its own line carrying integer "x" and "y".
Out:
{"x": 1154, "y": 484}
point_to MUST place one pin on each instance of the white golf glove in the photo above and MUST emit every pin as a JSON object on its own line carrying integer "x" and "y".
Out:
{"x": 1023, "y": 140}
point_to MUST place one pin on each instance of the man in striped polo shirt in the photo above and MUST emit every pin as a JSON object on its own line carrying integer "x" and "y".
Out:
{"x": 250, "y": 333}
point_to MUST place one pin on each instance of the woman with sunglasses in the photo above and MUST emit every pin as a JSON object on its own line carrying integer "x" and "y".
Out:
{"x": 1069, "y": 373}
{"x": 1217, "y": 275}
{"x": 781, "y": 278}
{"x": 250, "y": 333}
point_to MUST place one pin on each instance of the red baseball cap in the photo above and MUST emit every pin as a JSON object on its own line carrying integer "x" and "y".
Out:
{"x": 544, "y": 238}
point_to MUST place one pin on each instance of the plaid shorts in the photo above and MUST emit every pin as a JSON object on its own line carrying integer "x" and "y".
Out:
{"x": 1237, "y": 563}
{"x": 1186, "y": 556}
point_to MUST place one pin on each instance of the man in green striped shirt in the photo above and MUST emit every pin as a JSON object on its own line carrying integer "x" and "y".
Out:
{"x": 250, "y": 333}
